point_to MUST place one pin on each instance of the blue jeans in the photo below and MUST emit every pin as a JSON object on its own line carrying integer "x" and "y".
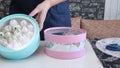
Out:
{"x": 57, "y": 16}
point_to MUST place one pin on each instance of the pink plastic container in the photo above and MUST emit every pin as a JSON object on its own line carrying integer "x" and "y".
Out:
{"x": 65, "y": 42}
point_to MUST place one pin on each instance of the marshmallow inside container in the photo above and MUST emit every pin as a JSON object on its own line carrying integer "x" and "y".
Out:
{"x": 15, "y": 33}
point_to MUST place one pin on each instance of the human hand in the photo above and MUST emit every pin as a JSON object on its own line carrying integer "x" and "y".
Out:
{"x": 42, "y": 9}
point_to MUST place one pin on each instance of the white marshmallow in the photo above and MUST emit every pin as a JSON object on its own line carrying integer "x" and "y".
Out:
{"x": 3, "y": 42}
{"x": 82, "y": 45}
{"x": 74, "y": 48}
{"x": 8, "y": 28}
{"x": 66, "y": 47}
{"x": 60, "y": 47}
{"x": 16, "y": 45}
{"x": 30, "y": 27}
{"x": 8, "y": 34}
{"x": 17, "y": 33}
{"x": 23, "y": 23}
{"x": 15, "y": 36}
{"x": 13, "y": 22}
{"x": 10, "y": 45}
{"x": 1, "y": 34}
{"x": 24, "y": 29}
{"x": 16, "y": 28}
{"x": 23, "y": 39}
{"x": 29, "y": 34}
{"x": 12, "y": 38}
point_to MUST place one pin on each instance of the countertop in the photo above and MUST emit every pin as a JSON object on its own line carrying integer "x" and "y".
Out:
{"x": 40, "y": 60}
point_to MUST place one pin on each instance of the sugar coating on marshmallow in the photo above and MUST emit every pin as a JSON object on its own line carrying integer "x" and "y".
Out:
{"x": 16, "y": 34}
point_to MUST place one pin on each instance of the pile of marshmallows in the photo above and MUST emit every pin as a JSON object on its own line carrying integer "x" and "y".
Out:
{"x": 67, "y": 47}
{"x": 16, "y": 34}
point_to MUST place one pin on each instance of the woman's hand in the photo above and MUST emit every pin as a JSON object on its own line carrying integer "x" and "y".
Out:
{"x": 42, "y": 9}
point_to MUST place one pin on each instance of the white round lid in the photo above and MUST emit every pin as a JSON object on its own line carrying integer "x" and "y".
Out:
{"x": 101, "y": 45}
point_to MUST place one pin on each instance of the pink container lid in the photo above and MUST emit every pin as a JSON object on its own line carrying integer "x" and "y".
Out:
{"x": 64, "y": 39}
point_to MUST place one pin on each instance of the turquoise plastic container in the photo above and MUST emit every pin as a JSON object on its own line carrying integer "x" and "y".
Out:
{"x": 32, "y": 45}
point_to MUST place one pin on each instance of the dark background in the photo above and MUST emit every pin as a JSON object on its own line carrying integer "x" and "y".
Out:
{"x": 88, "y": 9}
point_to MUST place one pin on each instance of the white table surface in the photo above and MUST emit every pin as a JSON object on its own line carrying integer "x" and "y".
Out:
{"x": 40, "y": 60}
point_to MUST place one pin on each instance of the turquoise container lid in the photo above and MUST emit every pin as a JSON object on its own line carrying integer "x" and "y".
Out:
{"x": 32, "y": 45}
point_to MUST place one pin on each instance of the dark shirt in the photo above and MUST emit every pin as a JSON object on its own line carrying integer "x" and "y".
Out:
{"x": 24, "y": 6}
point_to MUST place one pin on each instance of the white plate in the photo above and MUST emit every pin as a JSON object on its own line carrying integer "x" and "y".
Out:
{"x": 101, "y": 45}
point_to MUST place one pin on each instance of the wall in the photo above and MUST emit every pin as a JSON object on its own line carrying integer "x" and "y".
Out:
{"x": 112, "y": 11}
{"x": 89, "y": 9}
{"x": 4, "y": 7}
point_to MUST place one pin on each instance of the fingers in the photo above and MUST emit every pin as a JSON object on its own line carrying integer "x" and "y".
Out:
{"x": 37, "y": 17}
{"x": 41, "y": 15}
{"x": 34, "y": 12}
{"x": 42, "y": 19}
{"x": 41, "y": 11}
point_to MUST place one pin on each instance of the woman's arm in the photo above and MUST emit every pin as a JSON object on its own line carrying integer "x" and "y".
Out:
{"x": 54, "y": 2}
{"x": 42, "y": 9}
